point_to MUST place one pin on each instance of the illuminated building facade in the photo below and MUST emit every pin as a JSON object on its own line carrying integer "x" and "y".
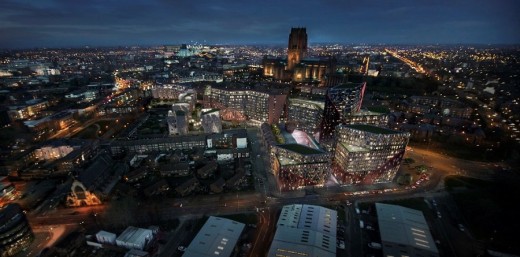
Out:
{"x": 368, "y": 154}
{"x": 306, "y": 114}
{"x": 239, "y": 102}
{"x": 168, "y": 91}
{"x": 341, "y": 102}
{"x": 296, "y": 67}
{"x": 297, "y": 166}
{"x": 147, "y": 145}
{"x": 297, "y": 47}
{"x": 31, "y": 108}
{"x": 15, "y": 232}
{"x": 80, "y": 196}
{"x": 370, "y": 116}
{"x": 313, "y": 69}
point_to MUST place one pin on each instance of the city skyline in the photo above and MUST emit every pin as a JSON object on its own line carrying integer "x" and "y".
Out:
{"x": 57, "y": 23}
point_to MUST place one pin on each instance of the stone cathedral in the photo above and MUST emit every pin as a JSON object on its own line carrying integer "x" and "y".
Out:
{"x": 298, "y": 67}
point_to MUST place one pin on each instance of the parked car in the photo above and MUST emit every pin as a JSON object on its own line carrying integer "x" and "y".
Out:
{"x": 374, "y": 245}
{"x": 340, "y": 244}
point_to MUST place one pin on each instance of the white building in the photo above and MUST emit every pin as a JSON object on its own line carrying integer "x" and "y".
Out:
{"x": 211, "y": 122}
{"x": 52, "y": 152}
{"x": 177, "y": 122}
{"x": 217, "y": 237}
{"x": 305, "y": 230}
{"x": 404, "y": 232}
{"x": 134, "y": 238}
{"x": 104, "y": 237}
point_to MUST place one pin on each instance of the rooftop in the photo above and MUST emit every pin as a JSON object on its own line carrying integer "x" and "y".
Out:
{"x": 372, "y": 129}
{"x": 301, "y": 149}
{"x": 305, "y": 230}
{"x": 404, "y": 226}
{"x": 217, "y": 237}
{"x": 135, "y": 235}
{"x": 209, "y": 111}
{"x": 307, "y": 103}
{"x": 354, "y": 148}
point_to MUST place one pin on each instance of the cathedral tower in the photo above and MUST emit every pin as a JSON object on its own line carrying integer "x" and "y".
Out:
{"x": 297, "y": 47}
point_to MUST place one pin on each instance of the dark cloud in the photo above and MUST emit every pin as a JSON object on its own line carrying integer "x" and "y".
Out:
{"x": 54, "y": 23}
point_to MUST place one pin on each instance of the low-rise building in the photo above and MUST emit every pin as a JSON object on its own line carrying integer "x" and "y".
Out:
{"x": 404, "y": 232}
{"x": 157, "y": 144}
{"x": 217, "y": 186}
{"x": 157, "y": 188}
{"x": 135, "y": 238}
{"x": 188, "y": 187}
{"x": 179, "y": 169}
{"x": 218, "y": 237}
{"x": 305, "y": 230}
{"x": 207, "y": 170}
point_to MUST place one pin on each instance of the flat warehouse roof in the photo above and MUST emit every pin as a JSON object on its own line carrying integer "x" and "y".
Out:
{"x": 217, "y": 237}
{"x": 404, "y": 226}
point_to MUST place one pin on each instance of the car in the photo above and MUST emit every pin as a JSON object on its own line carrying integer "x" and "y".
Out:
{"x": 374, "y": 245}
{"x": 340, "y": 244}
{"x": 370, "y": 228}
{"x": 461, "y": 227}
{"x": 439, "y": 214}
{"x": 181, "y": 248}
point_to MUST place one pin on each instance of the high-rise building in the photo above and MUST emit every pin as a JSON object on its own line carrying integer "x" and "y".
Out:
{"x": 296, "y": 160}
{"x": 307, "y": 115}
{"x": 368, "y": 154}
{"x": 341, "y": 101}
{"x": 297, "y": 166}
{"x": 15, "y": 232}
{"x": 297, "y": 47}
{"x": 239, "y": 102}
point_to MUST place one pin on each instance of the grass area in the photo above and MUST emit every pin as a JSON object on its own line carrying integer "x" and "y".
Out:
{"x": 490, "y": 210}
{"x": 246, "y": 218}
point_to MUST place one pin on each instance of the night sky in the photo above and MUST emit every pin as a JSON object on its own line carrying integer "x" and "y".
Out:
{"x": 74, "y": 23}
